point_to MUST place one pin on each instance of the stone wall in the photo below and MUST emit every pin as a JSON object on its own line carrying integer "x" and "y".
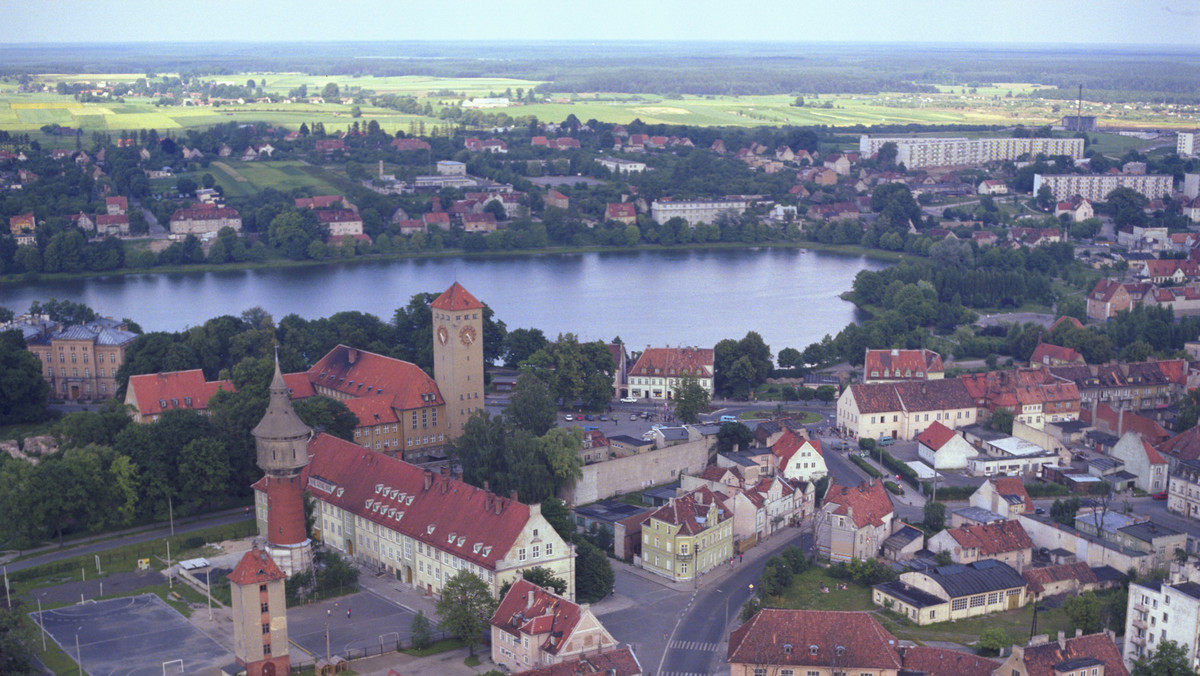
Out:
{"x": 638, "y": 472}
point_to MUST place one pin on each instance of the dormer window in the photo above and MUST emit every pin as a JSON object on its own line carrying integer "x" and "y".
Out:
{"x": 378, "y": 488}
{"x": 462, "y": 540}
{"x": 487, "y": 551}
{"x": 478, "y": 546}
{"x": 840, "y": 650}
{"x": 787, "y": 648}
{"x": 429, "y": 528}
{"x": 162, "y": 403}
{"x": 450, "y": 539}
{"x": 812, "y": 650}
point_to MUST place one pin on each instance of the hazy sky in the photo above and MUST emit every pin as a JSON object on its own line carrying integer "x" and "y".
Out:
{"x": 1102, "y": 22}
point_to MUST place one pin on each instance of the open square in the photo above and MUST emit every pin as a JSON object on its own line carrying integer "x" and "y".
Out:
{"x": 132, "y": 636}
{"x": 373, "y": 622}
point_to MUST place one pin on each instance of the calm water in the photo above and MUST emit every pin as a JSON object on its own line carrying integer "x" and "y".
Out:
{"x": 646, "y": 298}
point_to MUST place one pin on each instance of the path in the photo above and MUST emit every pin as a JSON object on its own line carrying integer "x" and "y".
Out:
{"x": 233, "y": 173}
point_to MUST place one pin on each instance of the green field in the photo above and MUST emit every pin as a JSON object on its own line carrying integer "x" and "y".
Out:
{"x": 245, "y": 179}
{"x": 953, "y": 104}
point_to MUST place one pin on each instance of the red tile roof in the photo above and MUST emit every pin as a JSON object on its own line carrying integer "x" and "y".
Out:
{"x": 868, "y": 503}
{"x": 686, "y": 510}
{"x": 924, "y": 395}
{"x": 1038, "y": 578}
{"x": 337, "y": 216}
{"x": 120, "y": 201}
{"x": 105, "y": 220}
{"x": 936, "y": 435}
{"x": 153, "y": 389}
{"x": 529, "y": 610}
{"x": 318, "y": 201}
{"x": 1184, "y": 446}
{"x": 358, "y": 373}
{"x": 930, "y": 661}
{"x": 617, "y": 210}
{"x": 790, "y": 442}
{"x": 428, "y": 507}
{"x": 896, "y": 362}
{"x": 992, "y": 539}
{"x": 674, "y": 362}
{"x": 1045, "y": 353}
{"x": 410, "y": 144}
{"x": 1071, "y": 320}
{"x": 256, "y": 567}
{"x": 1040, "y": 660}
{"x": 204, "y": 214}
{"x": 850, "y": 639}
{"x": 456, "y": 298}
{"x": 616, "y": 662}
{"x": 1011, "y": 485}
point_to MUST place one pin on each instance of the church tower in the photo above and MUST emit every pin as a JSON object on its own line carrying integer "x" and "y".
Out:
{"x": 281, "y": 441}
{"x": 260, "y": 634}
{"x": 458, "y": 355}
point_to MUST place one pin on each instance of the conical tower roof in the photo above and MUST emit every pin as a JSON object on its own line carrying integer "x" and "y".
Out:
{"x": 280, "y": 421}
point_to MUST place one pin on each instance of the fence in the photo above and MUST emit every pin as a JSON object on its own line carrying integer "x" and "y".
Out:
{"x": 385, "y": 647}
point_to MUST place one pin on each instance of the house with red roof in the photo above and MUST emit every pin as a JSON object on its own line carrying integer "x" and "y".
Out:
{"x": 1003, "y": 496}
{"x": 1142, "y": 460}
{"x": 902, "y": 410}
{"x": 798, "y": 458}
{"x": 116, "y": 205}
{"x": 769, "y": 505}
{"x": 112, "y": 224}
{"x": 533, "y": 626}
{"x": 494, "y": 145}
{"x": 1120, "y": 421}
{"x": 690, "y": 535}
{"x": 1063, "y": 578}
{"x": 617, "y": 662}
{"x": 943, "y": 448}
{"x": 1077, "y": 208}
{"x": 659, "y": 370}
{"x": 436, "y": 219}
{"x": 1110, "y": 296}
{"x": 340, "y": 222}
{"x": 257, "y": 599}
{"x": 1045, "y": 656}
{"x": 1047, "y": 354}
{"x": 204, "y": 219}
{"x": 854, "y": 521}
{"x": 557, "y": 200}
{"x": 1003, "y": 541}
{"x": 152, "y": 394}
{"x": 22, "y": 227}
{"x": 329, "y": 145}
{"x": 889, "y": 366}
{"x": 421, "y": 526}
{"x": 411, "y": 144}
{"x": 321, "y": 202}
{"x": 482, "y": 222}
{"x": 621, "y": 212}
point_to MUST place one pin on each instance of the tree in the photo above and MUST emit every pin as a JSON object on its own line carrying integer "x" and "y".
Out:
{"x": 422, "y": 631}
{"x": 826, "y": 393}
{"x": 465, "y": 608}
{"x": 63, "y": 311}
{"x": 540, "y": 576}
{"x": 1169, "y": 659}
{"x": 330, "y": 91}
{"x": 15, "y": 637}
{"x": 593, "y": 573}
{"x": 690, "y": 398}
{"x": 1063, "y": 511}
{"x": 1001, "y": 420}
{"x": 531, "y": 407}
{"x": 23, "y": 391}
{"x": 886, "y": 155}
{"x": 741, "y": 365}
{"x": 555, "y": 511}
{"x": 935, "y": 515}
{"x": 789, "y": 357}
{"x": 1044, "y": 198}
{"x": 1084, "y": 611}
{"x": 327, "y": 415}
{"x": 520, "y": 344}
{"x": 993, "y": 640}
{"x": 203, "y": 471}
{"x": 732, "y": 436}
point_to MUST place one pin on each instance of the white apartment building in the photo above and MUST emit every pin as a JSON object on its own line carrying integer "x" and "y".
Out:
{"x": 1160, "y": 612}
{"x": 619, "y": 166}
{"x": 916, "y": 152}
{"x": 1185, "y": 143}
{"x": 1096, "y": 188}
{"x": 696, "y": 211}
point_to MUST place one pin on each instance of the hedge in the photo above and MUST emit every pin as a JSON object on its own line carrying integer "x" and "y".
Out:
{"x": 893, "y": 487}
{"x": 1040, "y": 490}
{"x": 865, "y": 466}
{"x": 948, "y": 492}
{"x": 907, "y": 473}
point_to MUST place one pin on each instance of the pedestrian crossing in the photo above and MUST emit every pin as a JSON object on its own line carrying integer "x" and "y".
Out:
{"x": 693, "y": 645}
{"x": 680, "y": 673}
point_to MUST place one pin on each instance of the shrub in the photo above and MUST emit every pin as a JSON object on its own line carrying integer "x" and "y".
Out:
{"x": 893, "y": 487}
{"x": 865, "y": 466}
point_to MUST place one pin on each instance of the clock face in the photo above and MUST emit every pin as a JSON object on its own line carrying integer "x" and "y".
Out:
{"x": 467, "y": 335}
{"x": 443, "y": 335}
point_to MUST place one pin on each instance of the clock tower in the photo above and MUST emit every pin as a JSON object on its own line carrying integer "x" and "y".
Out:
{"x": 458, "y": 355}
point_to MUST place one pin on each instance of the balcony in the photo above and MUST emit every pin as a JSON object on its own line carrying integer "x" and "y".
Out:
{"x": 1140, "y": 608}
{"x": 1138, "y": 640}
{"x": 1140, "y": 624}
{"x": 683, "y": 557}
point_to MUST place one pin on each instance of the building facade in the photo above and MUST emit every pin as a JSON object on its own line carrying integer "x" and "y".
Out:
{"x": 1183, "y": 495}
{"x": 1096, "y": 187}
{"x": 259, "y": 609}
{"x": 1158, "y": 612}
{"x": 458, "y": 355}
{"x": 79, "y": 362}
{"x": 853, "y": 521}
{"x": 903, "y": 410}
{"x": 917, "y": 152}
{"x": 534, "y": 627}
{"x": 202, "y": 220}
{"x": 689, "y": 535}
{"x": 696, "y": 211}
{"x": 660, "y": 370}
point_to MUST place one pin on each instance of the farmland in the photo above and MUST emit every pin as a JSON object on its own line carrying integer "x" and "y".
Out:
{"x": 994, "y": 104}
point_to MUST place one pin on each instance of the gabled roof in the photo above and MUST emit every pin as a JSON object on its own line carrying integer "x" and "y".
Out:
{"x": 868, "y": 503}
{"x": 1038, "y": 578}
{"x": 174, "y": 389}
{"x": 924, "y": 361}
{"x": 929, "y": 661}
{"x": 456, "y": 298}
{"x": 256, "y": 567}
{"x": 853, "y": 639}
{"x": 912, "y": 397}
{"x": 789, "y": 443}
{"x": 358, "y": 373}
{"x": 690, "y": 511}
{"x": 530, "y": 610}
{"x": 992, "y": 539}
{"x": 419, "y": 503}
{"x": 1185, "y": 445}
{"x": 1041, "y": 660}
{"x": 1007, "y": 486}
{"x": 616, "y": 210}
{"x": 616, "y": 662}
{"x": 935, "y": 436}
{"x": 1047, "y": 353}
{"x": 674, "y": 362}
{"x": 988, "y": 575}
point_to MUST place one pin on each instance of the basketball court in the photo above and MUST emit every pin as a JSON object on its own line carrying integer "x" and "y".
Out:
{"x": 137, "y": 635}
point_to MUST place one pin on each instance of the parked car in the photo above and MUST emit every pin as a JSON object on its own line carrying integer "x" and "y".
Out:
{"x": 1160, "y": 496}
{"x": 633, "y": 416}
{"x": 729, "y": 419}
{"x": 603, "y": 417}
{"x": 590, "y": 417}
{"x": 569, "y": 417}
{"x": 629, "y": 400}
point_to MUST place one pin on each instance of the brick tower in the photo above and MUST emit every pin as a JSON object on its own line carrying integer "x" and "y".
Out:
{"x": 458, "y": 355}
{"x": 281, "y": 440}
{"x": 260, "y": 635}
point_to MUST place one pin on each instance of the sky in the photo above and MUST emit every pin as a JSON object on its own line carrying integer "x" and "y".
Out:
{"x": 1055, "y": 22}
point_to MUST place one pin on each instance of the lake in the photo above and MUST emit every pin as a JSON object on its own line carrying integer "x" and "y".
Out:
{"x": 655, "y": 298}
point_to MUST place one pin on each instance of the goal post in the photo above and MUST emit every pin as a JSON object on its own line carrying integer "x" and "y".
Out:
{"x": 164, "y": 666}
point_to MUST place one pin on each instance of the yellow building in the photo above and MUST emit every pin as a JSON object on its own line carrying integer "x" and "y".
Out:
{"x": 420, "y": 526}
{"x": 79, "y": 362}
{"x": 903, "y": 410}
{"x": 458, "y": 355}
{"x": 691, "y": 534}
{"x": 953, "y": 592}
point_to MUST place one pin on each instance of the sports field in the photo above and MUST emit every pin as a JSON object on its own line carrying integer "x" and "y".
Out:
{"x": 955, "y": 104}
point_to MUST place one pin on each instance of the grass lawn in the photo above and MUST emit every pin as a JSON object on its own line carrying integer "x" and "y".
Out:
{"x": 804, "y": 417}
{"x": 25, "y": 430}
{"x": 444, "y": 645}
{"x": 1015, "y": 623}
{"x": 806, "y": 593}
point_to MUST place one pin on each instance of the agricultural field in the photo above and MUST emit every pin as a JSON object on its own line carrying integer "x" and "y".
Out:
{"x": 996, "y": 104}
{"x": 245, "y": 179}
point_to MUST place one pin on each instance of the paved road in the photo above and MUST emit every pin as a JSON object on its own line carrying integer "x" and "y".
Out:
{"x": 114, "y": 540}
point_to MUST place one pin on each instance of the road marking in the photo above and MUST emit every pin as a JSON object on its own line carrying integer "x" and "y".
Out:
{"x": 682, "y": 673}
{"x": 693, "y": 645}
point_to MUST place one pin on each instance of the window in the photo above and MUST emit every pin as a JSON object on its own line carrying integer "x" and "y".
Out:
{"x": 263, "y": 607}
{"x": 262, "y": 588}
{"x": 266, "y": 628}
{"x": 958, "y": 604}
{"x": 521, "y": 554}
{"x": 537, "y": 551}
{"x": 977, "y": 601}
{"x": 266, "y": 648}
{"x": 549, "y": 549}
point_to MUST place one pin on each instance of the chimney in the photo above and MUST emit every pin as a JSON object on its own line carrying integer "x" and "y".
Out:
{"x": 1078, "y": 632}
{"x": 1120, "y": 421}
{"x": 488, "y": 499}
{"x": 428, "y": 479}
{"x": 499, "y": 503}
{"x": 351, "y": 355}
{"x": 1062, "y": 640}
{"x": 529, "y": 599}
{"x": 512, "y": 495}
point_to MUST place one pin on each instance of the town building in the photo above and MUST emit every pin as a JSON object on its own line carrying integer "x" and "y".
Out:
{"x": 340, "y": 222}
{"x": 1077, "y": 208}
{"x": 1096, "y": 187}
{"x": 619, "y": 166}
{"x": 150, "y": 395}
{"x": 1047, "y": 354}
{"x": 621, "y": 212}
{"x": 1185, "y": 143}
{"x": 798, "y": 458}
{"x": 1091, "y": 549}
{"x": 853, "y": 521}
{"x": 1003, "y": 496}
{"x": 696, "y": 211}
{"x": 206, "y": 219}
{"x": 1110, "y": 296}
{"x": 458, "y": 354}
{"x": 1004, "y": 541}
{"x": 618, "y": 662}
{"x": 953, "y": 592}
{"x": 943, "y": 448}
{"x": 1067, "y": 578}
{"x": 116, "y": 206}
{"x": 1127, "y": 385}
{"x": 534, "y": 627}
{"x": 259, "y": 613}
{"x": 80, "y": 362}
{"x": 992, "y": 186}
{"x": 1159, "y": 611}
{"x": 659, "y": 371}
{"x": 1081, "y": 655}
{"x": 115, "y": 225}
{"x": 889, "y": 366}
{"x": 903, "y": 410}
{"x": 1035, "y": 396}
{"x": 1012, "y": 456}
{"x": 690, "y": 535}
{"x": 322, "y": 202}
{"x": 419, "y": 526}
{"x": 22, "y": 227}
{"x": 557, "y": 200}
{"x": 917, "y": 152}
{"x": 1143, "y": 460}
{"x": 1183, "y": 495}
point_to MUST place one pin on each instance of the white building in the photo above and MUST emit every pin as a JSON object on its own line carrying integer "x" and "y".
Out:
{"x": 942, "y": 448}
{"x": 696, "y": 211}
{"x": 619, "y": 166}
{"x": 1185, "y": 143}
{"x": 1160, "y": 612}
{"x": 916, "y": 152}
{"x": 1096, "y": 187}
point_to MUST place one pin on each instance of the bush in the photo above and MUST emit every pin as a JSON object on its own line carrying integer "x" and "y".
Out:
{"x": 866, "y": 573}
{"x": 907, "y": 473}
{"x": 867, "y": 444}
{"x": 1041, "y": 490}
{"x": 893, "y": 487}
{"x": 865, "y": 466}
{"x": 948, "y": 492}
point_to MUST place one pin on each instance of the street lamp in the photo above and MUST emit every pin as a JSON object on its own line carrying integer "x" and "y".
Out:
{"x": 327, "y": 612}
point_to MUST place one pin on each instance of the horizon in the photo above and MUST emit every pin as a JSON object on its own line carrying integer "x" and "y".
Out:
{"x": 1112, "y": 23}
